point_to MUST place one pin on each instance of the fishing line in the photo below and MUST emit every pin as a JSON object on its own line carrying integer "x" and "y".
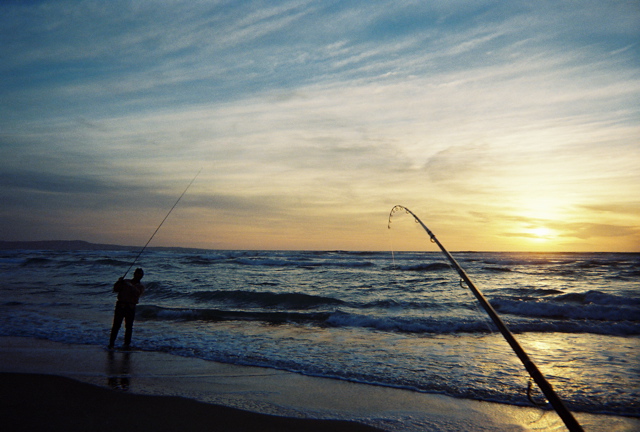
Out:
{"x": 542, "y": 404}
{"x": 555, "y": 401}
{"x": 393, "y": 256}
{"x": 165, "y": 218}
{"x": 476, "y": 307}
{"x": 485, "y": 320}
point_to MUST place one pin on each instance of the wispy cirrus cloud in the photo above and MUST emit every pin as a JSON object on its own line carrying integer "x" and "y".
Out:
{"x": 512, "y": 111}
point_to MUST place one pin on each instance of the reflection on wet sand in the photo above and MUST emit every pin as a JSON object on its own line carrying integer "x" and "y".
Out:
{"x": 119, "y": 370}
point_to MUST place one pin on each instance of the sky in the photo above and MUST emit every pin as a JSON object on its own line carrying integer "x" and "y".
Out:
{"x": 505, "y": 126}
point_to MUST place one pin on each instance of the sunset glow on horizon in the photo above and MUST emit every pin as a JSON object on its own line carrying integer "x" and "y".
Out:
{"x": 504, "y": 127}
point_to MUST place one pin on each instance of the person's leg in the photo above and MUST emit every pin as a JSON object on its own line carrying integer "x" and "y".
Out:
{"x": 118, "y": 316}
{"x": 129, "y": 316}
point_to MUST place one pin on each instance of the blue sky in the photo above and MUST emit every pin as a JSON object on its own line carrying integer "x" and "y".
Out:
{"x": 503, "y": 125}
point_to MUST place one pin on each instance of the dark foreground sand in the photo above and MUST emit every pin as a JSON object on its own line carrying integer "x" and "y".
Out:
{"x": 32, "y": 402}
{"x": 50, "y": 386}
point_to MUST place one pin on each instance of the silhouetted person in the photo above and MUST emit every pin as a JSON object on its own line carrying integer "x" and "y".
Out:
{"x": 129, "y": 291}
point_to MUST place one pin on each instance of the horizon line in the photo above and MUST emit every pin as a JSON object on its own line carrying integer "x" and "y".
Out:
{"x": 60, "y": 245}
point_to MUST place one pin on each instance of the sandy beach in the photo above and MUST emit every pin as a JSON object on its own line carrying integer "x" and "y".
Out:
{"x": 33, "y": 402}
{"x": 53, "y": 386}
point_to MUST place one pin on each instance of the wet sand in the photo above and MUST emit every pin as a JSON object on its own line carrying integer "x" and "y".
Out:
{"x": 46, "y": 402}
{"x": 54, "y": 386}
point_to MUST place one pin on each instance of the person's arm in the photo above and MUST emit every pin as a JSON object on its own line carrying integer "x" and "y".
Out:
{"x": 118, "y": 285}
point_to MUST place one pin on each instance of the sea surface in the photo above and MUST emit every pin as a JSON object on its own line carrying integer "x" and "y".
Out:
{"x": 398, "y": 319}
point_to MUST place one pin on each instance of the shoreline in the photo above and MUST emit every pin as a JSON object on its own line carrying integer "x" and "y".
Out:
{"x": 233, "y": 393}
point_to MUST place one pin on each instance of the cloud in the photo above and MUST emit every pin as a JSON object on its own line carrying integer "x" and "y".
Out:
{"x": 458, "y": 163}
{"x": 299, "y": 108}
{"x": 559, "y": 230}
{"x": 625, "y": 209}
{"x": 33, "y": 181}
{"x": 587, "y": 231}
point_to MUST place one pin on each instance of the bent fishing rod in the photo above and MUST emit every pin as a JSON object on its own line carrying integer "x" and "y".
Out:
{"x": 157, "y": 229}
{"x": 555, "y": 401}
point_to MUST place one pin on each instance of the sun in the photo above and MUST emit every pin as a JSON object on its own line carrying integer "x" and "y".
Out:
{"x": 541, "y": 233}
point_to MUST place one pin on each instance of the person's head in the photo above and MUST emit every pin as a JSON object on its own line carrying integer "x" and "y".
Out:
{"x": 138, "y": 273}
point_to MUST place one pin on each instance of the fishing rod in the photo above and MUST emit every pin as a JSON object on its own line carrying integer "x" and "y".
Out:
{"x": 165, "y": 218}
{"x": 557, "y": 403}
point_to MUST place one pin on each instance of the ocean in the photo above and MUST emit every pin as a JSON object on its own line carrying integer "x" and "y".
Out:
{"x": 398, "y": 319}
